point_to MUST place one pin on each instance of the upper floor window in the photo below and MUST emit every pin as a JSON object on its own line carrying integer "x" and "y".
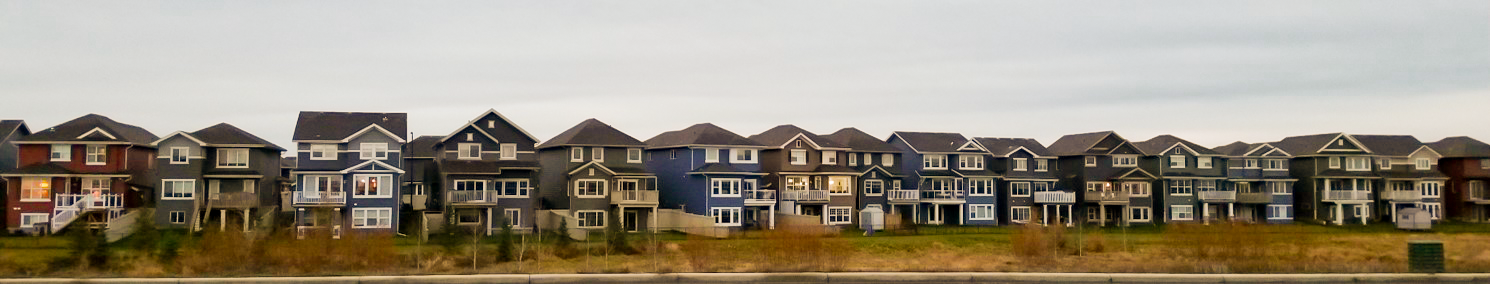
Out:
{"x": 1181, "y": 187}
{"x": 1334, "y": 162}
{"x": 830, "y": 157}
{"x": 711, "y": 155}
{"x": 589, "y": 188}
{"x": 799, "y": 157}
{"x": 1275, "y": 164}
{"x": 634, "y": 155}
{"x": 1251, "y": 164}
{"x": 374, "y": 151}
{"x": 97, "y": 154}
{"x": 1021, "y": 164}
{"x": 61, "y": 152}
{"x": 980, "y": 187}
{"x": 796, "y": 183}
{"x": 470, "y": 136}
{"x": 469, "y": 150}
{"x": 1042, "y": 187}
{"x": 724, "y": 187}
{"x": 1042, "y": 165}
{"x": 1125, "y": 160}
{"x": 746, "y": 156}
{"x": 934, "y": 161}
{"x": 373, "y": 186}
{"x": 1203, "y": 162}
{"x": 1386, "y": 163}
{"x": 1422, "y": 164}
{"x": 577, "y": 154}
{"x": 179, "y": 155}
{"x": 1019, "y": 189}
{"x": 1485, "y": 163}
{"x": 177, "y": 188}
{"x": 509, "y": 151}
{"x": 972, "y": 162}
{"x": 874, "y": 187}
{"x": 840, "y": 185}
{"x": 323, "y": 151}
{"x": 853, "y": 159}
{"x": 513, "y": 187}
{"x": 885, "y": 159}
{"x": 1091, "y": 161}
{"x": 597, "y": 154}
{"x": 1279, "y": 187}
{"x": 1136, "y": 188}
{"x": 1358, "y": 164}
{"x": 39, "y": 189}
{"x": 1430, "y": 189}
{"x": 1177, "y": 162}
{"x": 232, "y": 158}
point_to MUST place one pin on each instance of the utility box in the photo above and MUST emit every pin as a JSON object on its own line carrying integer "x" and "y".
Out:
{"x": 872, "y": 219}
{"x": 1425, "y": 256}
{"x": 1414, "y": 219}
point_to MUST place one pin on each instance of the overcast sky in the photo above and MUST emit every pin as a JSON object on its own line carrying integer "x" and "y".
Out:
{"x": 1208, "y": 71}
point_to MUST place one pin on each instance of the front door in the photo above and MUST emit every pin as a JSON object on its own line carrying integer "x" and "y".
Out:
{"x": 934, "y": 216}
{"x": 629, "y": 220}
{"x": 1115, "y": 215}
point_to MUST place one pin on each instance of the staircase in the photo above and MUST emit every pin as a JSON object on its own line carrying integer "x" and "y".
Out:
{"x": 124, "y": 225}
{"x": 66, "y": 210}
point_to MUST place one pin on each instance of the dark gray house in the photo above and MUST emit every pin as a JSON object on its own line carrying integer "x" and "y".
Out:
{"x": 810, "y": 173}
{"x": 952, "y": 175}
{"x": 231, "y": 177}
{"x": 1336, "y": 178}
{"x": 1030, "y": 188}
{"x": 707, "y": 170}
{"x": 879, "y": 172}
{"x": 10, "y": 130}
{"x": 347, "y": 172}
{"x": 1409, "y": 173}
{"x": 1116, "y": 190}
{"x": 1192, "y": 178}
{"x": 1258, "y": 172}
{"x": 592, "y": 171}
{"x": 421, "y": 174}
{"x": 488, "y": 169}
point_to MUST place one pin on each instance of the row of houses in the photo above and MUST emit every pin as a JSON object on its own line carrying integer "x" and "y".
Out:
{"x": 363, "y": 173}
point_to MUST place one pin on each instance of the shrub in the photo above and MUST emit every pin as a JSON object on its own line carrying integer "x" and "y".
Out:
{"x": 615, "y": 236}
{"x": 504, "y": 242}
{"x": 700, "y": 252}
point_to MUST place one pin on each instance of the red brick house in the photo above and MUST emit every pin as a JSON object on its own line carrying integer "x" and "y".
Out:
{"x": 91, "y": 169}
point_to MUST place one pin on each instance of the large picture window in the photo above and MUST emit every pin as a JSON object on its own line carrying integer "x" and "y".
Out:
{"x": 589, "y": 188}
{"x": 840, "y": 185}
{"x": 980, "y": 187}
{"x": 1182, "y": 212}
{"x": 373, "y": 186}
{"x": 724, "y": 187}
{"x": 840, "y": 215}
{"x": 232, "y": 158}
{"x": 981, "y": 212}
{"x": 374, "y": 151}
{"x": 725, "y": 216}
{"x": 590, "y": 218}
{"x": 934, "y": 161}
{"x": 514, "y": 187}
{"x": 178, "y": 188}
{"x": 61, "y": 152}
{"x": 36, "y": 190}
{"x": 1181, "y": 187}
{"x": 372, "y": 218}
{"x": 874, "y": 187}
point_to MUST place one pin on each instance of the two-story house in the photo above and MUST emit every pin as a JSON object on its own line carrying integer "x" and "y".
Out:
{"x": 488, "y": 169}
{"x": 421, "y": 174}
{"x": 219, "y": 173}
{"x": 810, "y": 174}
{"x": 1030, "y": 189}
{"x": 878, "y": 168}
{"x": 91, "y": 169}
{"x": 1115, "y": 190}
{"x": 1258, "y": 173}
{"x": 591, "y": 171}
{"x": 1466, "y": 161}
{"x": 1409, "y": 175}
{"x": 10, "y": 130}
{"x": 707, "y": 170}
{"x": 952, "y": 174}
{"x": 1192, "y": 177}
{"x": 1335, "y": 178}
{"x": 347, "y": 172}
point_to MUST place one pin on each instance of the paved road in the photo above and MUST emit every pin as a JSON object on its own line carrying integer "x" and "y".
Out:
{"x": 868, "y": 277}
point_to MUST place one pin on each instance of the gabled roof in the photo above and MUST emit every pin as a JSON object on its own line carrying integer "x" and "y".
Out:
{"x": 1077, "y": 144}
{"x": 1235, "y": 149}
{"x": 288, "y": 162}
{"x": 1002, "y": 147}
{"x": 1159, "y": 144}
{"x": 932, "y": 142}
{"x": 92, "y": 127}
{"x": 224, "y": 134}
{"x": 1313, "y": 144}
{"x": 1390, "y": 145}
{"x": 705, "y": 134}
{"x": 472, "y": 124}
{"x": 860, "y": 141}
{"x": 779, "y": 136}
{"x": 422, "y": 147}
{"x": 324, "y": 126}
{"x": 1461, "y": 147}
{"x": 10, "y": 127}
{"x": 592, "y": 132}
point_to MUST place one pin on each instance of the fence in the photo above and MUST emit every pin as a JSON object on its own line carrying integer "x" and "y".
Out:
{"x": 691, "y": 224}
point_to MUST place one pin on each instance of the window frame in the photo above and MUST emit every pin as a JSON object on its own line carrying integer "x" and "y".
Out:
{"x": 1042, "y": 165}
{"x": 167, "y": 190}
{"x": 327, "y": 152}
{"x": 1118, "y": 161}
{"x": 185, "y": 155}
{"x": 1175, "y": 214}
{"x": 1016, "y": 217}
{"x": 102, "y": 154}
{"x": 1273, "y": 208}
{"x": 853, "y": 159}
{"x": 1145, "y": 188}
{"x": 840, "y": 185}
{"x": 636, "y": 152}
{"x": 45, "y": 218}
{"x": 597, "y": 154}
{"x": 60, "y": 153}
{"x": 1021, "y": 164}
{"x": 830, "y": 157}
{"x": 580, "y": 189}
{"x": 176, "y": 217}
{"x": 372, "y": 151}
{"x": 930, "y": 162}
{"x": 1148, "y": 214}
{"x": 718, "y": 188}
{"x": 990, "y": 209}
{"x": 581, "y": 219}
{"x": 232, "y": 152}
{"x": 1275, "y": 186}
{"x": 832, "y": 212}
{"x": 385, "y": 187}
{"x": 384, "y": 218}
{"x": 711, "y": 155}
{"x": 507, "y": 151}
{"x": 1090, "y": 161}
{"x": 1181, "y": 187}
{"x": 731, "y": 216}
{"x": 576, "y": 154}
{"x": 1205, "y": 162}
{"x": 29, "y": 189}
{"x": 886, "y": 159}
{"x": 523, "y": 186}
{"x": 1177, "y": 161}
{"x": 1015, "y": 189}
{"x": 734, "y": 156}
{"x": 1426, "y": 187}
{"x": 1358, "y": 164}
{"x": 797, "y": 157}
{"x": 969, "y": 162}
{"x": 984, "y": 187}
{"x": 1422, "y": 164}
{"x": 874, "y": 183}
{"x": 1335, "y": 162}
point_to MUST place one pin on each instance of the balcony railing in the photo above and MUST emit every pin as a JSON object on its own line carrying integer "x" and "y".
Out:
{"x": 473, "y": 196}
{"x": 904, "y": 195}
{"x": 1055, "y": 197}
{"x": 1482, "y": 195}
{"x": 943, "y": 195}
{"x": 90, "y": 201}
{"x": 1218, "y": 196}
{"x": 1254, "y": 197}
{"x": 234, "y": 199}
{"x": 1347, "y": 195}
{"x": 633, "y": 197}
{"x": 804, "y": 195}
{"x": 320, "y": 197}
{"x": 1114, "y": 196}
{"x": 1404, "y": 195}
{"x": 760, "y": 196}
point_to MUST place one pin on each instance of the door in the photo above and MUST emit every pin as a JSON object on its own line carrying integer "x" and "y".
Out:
{"x": 934, "y": 215}
{"x": 1115, "y": 216}
{"x": 629, "y": 220}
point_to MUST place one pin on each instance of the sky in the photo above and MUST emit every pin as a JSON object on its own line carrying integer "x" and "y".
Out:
{"x": 1212, "y": 72}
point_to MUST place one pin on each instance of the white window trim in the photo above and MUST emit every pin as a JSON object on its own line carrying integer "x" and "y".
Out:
{"x": 164, "y": 189}
{"x": 461, "y": 149}
{"x": 597, "y": 154}
{"x": 328, "y": 151}
{"x": 526, "y": 187}
{"x": 1119, "y": 158}
{"x": 1014, "y": 214}
{"x": 103, "y": 154}
{"x": 1435, "y": 213}
{"x": 382, "y": 193}
{"x": 1279, "y": 184}
{"x": 185, "y": 155}
{"x": 926, "y": 162}
{"x": 972, "y": 210}
{"x": 734, "y": 155}
{"x": 603, "y": 188}
{"x": 382, "y": 222}
{"x": 874, "y": 181}
{"x": 66, "y": 153}
{"x": 1148, "y": 189}
{"x": 1042, "y": 165}
{"x": 1335, "y": 162}
{"x": 738, "y": 183}
{"x": 830, "y": 157}
{"x": 885, "y": 159}
{"x": 581, "y": 221}
{"x": 1365, "y": 164}
{"x": 828, "y": 215}
{"x": 1148, "y": 212}
{"x": 171, "y": 217}
{"x": 711, "y": 155}
{"x": 577, "y": 154}
{"x": 1174, "y": 214}
{"x": 45, "y": 218}
{"x": 1288, "y": 208}
{"x": 847, "y": 185}
{"x": 1422, "y": 164}
{"x": 992, "y": 188}
{"x": 735, "y": 214}
{"x": 1021, "y": 164}
{"x": 516, "y": 221}
{"x": 969, "y": 162}
{"x": 637, "y": 151}
{"x": 1028, "y": 189}
{"x": 226, "y": 152}
{"x": 27, "y": 182}
{"x": 1208, "y": 162}
{"x": 853, "y": 159}
{"x": 1177, "y": 161}
{"x": 373, "y": 151}
{"x": 509, "y": 151}
{"x": 798, "y": 157}
{"x": 1090, "y": 161}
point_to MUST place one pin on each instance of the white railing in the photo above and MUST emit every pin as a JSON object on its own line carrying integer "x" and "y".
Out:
{"x": 302, "y": 231}
{"x": 905, "y": 195}
{"x": 1218, "y": 195}
{"x": 634, "y": 196}
{"x": 1405, "y": 195}
{"x": 90, "y": 201}
{"x": 320, "y": 197}
{"x": 473, "y": 196}
{"x": 1055, "y": 197}
{"x": 1347, "y": 195}
{"x": 943, "y": 195}
{"x": 760, "y": 196}
{"x": 805, "y": 195}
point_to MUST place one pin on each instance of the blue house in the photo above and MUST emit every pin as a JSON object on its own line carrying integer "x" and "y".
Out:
{"x": 952, "y": 174}
{"x": 1258, "y": 173}
{"x": 710, "y": 171}
{"x": 1192, "y": 177}
{"x": 347, "y": 172}
{"x": 879, "y": 172}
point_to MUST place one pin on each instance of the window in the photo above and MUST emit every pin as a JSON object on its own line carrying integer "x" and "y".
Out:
{"x": 1181, "y": 187}
{"x": 1360, "y": 211}
{"x": 981, "y": 212}
{"x": 1125, "y": 160}
{"x": 887, "y": 159}
{"x": 840, "y": 185}
{"x": 178, "y": 217}
{"x": 1042, "y": 187}
{"x": 1430, "y": 189}
{"x": 31, "y": 219}
{"x": 934, "y": 161}
{"x": 577, "y": 154}
{"x": 249, "y": 186}
{"x": 1019, "y": 214}
{"x": 1019, "y": 189}
{"x": 373, "y": 186}
{"x": 799, "y": 157}
{"x": 1141, "y": 214}
{"x": 590, "y": 218}
{"x": 1434, "y": 209}
{"x": 232, "y": 158}
{"x": 61, "y": 152}
{"x": 468, "y": 216}
{"x": 1334, "y": 162}
{"x": 672, "y": 154}
{"x": 1385, "y": 163}
{"x": 1042, "y": 165}
{"x": 178, "y": 155}
{"x": 1203, "y": 162}
{"x": 634, "y": 155}
{"x": 895, "y": 185}
{"x": 1358, "y": 164}
{"x": 1251, "y": 164}
{"x": 840, "y": 215}
{"x": 796, "y": 183}
{"x": 95, "y": 184}
{"x": 323, "y": 151}
{"x": 1485, "y": 163}
{"x": 509, "y": 151}
{"x": 470, "y": 136}
{"x": 1177, "y": 162}
{"x": 1096, "y": 186}
{"x": 1136, "y": 188}
{"x": 1279, "y": 187}
{"x": 1205, "y": 185}
{"x": 374, "y": 151}
{"x": 830, "y": 157}
{"x": 980, "y": 186}
{"x": 514, "y": 216}
{"x": 1021, "y": 164}
{"x": 1091, "y": 161}
{"x": 725, "y": 187}
{"x": 1182, "y": 212}
{"x": 874, "y": 187}
{"x": 323, "y": 183}
{"x": 513, "y": 187}
{"x": 970, "y": 162}
{"x": 97, "y": 154}
{"x": 743, "y": 156}
{"x": 1280, "y": 212}
{"x": 1275, "y": 165}
{"x": 178, "y": 188}
{"x": 711, "y": 155}
{"x": 464, "y": 185}
{"x": 589, "y": 188}
{"x": 1422, "y": 164}
{"x": 36, "y": 190}
{"x": 597, "y": 154}
{"x": 1244, "y": 187}
{"x": 725, "y": 216}
{"x": 1477, "y": 190}
{"x": 853, "y": 159}
{"x": 469, "y": 150}
{"x": 372, "y": 218}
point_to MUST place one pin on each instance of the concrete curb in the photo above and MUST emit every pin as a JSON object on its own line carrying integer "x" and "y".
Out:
{"x": 817, "y": 277}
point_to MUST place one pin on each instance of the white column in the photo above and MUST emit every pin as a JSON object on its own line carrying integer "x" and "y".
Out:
{"x": 1101, "y": 215}
{"x": 1070, "y": 218}
{"x": 222, "y": 218}
{"x": 1230, "y": 211}
{"x": 1205, "y": 213}
{"x": 1045, "y": 214}
{"x": 1339, "y": 214}
{"x": 245, "y": 220}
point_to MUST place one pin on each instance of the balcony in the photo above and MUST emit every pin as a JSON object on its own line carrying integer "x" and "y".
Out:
{"x": 1217, "y": 196}
{"x": 634, "y": 197}
{"x": 760, "y": 196}
{"x": 904, "y": 196}
{"x": 320, "y": 198}
{"x": 233, "y": 200}
{"x": 89, "y": 201}
{"x": 474, "y": 196}
{"x": 1055, "y": 197}
{"x": 805, "y": 195}
{"x": 943, "y": 196}
{"x": 1254, "y": 197}
{"x": 1480, "y": 196}
{"x": 1347, "y": 195}
{"x": 1404, "y": 195}
{"x": 1106, "y": 197}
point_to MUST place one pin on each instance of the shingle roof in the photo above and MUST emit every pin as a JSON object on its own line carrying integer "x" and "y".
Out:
{"x": 321, "y": 125}
{"x": 1236, "y": 148}
{"x": 699, "y": 134}
{"x": 1461, "y": 147}
{"x": 776, "y": 136}
{"x": 72, "y": 129}
{"x": 932, "y": 141}
{"x": 1390, "y": 145}
{"x": 1076, "y": 144}
{"x": 422, "y": 147}
{"x": 288, "y": 162}
{"x": 860, "y": 141}
{"x": 1002, "y": 146}
{"x": 1157, "y": 145}
{"x": 449, "y": 166}
{"x": 9, "y": 126}
{"x": 717, "y": 168}
{"x": 224, "y": 133}
{"x": 591, "y": 132}
{"x": 1307, "y": 144}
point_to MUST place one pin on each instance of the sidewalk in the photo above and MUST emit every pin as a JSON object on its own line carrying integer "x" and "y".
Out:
{"x": 813, "y": 277}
